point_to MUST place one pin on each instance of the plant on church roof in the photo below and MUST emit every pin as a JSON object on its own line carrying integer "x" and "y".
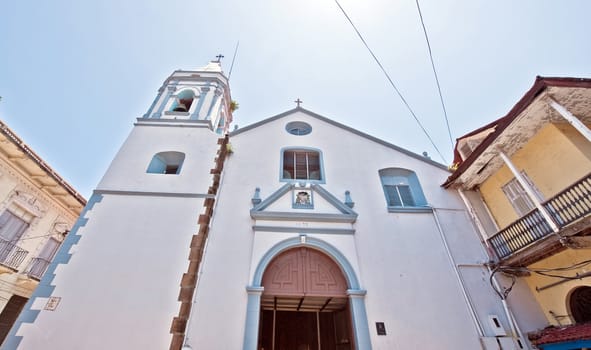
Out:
{"x": 234, "y": 106}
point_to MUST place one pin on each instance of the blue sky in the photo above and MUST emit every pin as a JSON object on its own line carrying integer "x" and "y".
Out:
{"x": 74, "y": 75}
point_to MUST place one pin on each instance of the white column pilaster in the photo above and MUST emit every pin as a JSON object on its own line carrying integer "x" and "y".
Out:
{"x": 528, "y": 190}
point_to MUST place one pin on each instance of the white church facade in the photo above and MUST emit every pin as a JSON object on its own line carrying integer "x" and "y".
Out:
{"x": 296, "y": 232}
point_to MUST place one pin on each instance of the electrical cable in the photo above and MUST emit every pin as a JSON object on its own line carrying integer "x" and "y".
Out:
{"x": 233, "y": 59}
{"x": 391, "y": 82}
{"x": 435, "y": 74}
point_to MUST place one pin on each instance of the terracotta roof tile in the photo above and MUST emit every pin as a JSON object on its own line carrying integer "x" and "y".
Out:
{"x": 562, "y": 334}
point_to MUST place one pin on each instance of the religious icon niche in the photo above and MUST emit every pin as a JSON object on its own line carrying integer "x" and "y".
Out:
{"x": 302, "y": 199}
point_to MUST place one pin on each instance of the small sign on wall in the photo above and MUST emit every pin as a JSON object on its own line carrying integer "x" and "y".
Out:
{"x": 52, "y": 303}
{"x": 381, "y": 328}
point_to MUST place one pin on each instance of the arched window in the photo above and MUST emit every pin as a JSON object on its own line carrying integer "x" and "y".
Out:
{"x": 402, "y": 189}
{"x": 183, "y": 101}
{"x": 301, "y": 164}
{"x": 166, "y": 163}
{"x": 580, "y": 304}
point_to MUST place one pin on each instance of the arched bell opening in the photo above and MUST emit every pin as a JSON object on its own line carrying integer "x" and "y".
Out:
{"x": 304, "y": 304}
{"x": 183, "y": 101}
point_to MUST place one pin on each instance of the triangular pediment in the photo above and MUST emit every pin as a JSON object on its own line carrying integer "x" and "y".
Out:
{"x": 303, "y": 203}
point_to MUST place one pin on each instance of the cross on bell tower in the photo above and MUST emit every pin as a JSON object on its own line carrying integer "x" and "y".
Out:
{"x": 219, "y": 57}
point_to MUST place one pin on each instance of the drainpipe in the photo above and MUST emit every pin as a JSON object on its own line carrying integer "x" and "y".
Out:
{"x": 528, "y": 190}
{"x": 458, "y": 276}
{"x": 515, "y": 330}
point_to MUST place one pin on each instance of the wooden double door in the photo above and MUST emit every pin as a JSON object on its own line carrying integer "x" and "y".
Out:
{"x": 304, "y": 304}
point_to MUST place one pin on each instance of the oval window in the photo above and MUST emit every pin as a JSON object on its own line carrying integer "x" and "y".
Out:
{"x": 298, "y": 128}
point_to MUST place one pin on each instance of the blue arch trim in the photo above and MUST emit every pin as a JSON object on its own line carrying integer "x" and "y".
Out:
{"x": 356, "y": 295}
{"x": 305, "y": 241}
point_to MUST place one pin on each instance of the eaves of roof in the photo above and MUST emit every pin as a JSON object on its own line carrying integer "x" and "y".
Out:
{"x": 342, "y": 126}
{"x": 541, "y": 84}
{"x": 37, "y": 159}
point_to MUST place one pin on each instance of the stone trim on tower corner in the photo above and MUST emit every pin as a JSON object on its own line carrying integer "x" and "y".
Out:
{"x": 189, "y": 279}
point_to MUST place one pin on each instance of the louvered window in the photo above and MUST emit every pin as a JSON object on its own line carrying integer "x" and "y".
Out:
{"x": 402, "y": 189}
{"x": 519, "y": 199}
{"x": 301, "y": 165}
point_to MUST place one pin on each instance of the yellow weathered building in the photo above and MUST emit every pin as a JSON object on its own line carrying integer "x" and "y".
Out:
{"x": 526, "y": 178}
{"x": 37, "y": 210}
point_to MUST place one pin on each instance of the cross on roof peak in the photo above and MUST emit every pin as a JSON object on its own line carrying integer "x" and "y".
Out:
{"x": 298, "y": 101}
{"x": 219, "y": 57}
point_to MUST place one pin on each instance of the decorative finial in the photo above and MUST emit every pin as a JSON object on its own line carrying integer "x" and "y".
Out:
{"x": 298, "y": 101}
{"x": 219, "y": 57}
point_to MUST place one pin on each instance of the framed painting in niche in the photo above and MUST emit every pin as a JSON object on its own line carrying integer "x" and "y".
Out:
{"x": 302, "y": 198}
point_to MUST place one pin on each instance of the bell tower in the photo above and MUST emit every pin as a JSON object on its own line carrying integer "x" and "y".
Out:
{"x": 201, "y": 95}
{"x": 132, "y": 258}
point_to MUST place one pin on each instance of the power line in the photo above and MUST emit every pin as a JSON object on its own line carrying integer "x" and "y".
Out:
{"x": 391, "y": 82}
{"x": 436, "y": 77}
{"x": 233, "y": 59}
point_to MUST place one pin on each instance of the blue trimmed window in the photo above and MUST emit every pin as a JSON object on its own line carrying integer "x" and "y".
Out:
{"x": 301, "y": 164}
{"x": 402, "y": 190}
{"x": 166, "y": 163}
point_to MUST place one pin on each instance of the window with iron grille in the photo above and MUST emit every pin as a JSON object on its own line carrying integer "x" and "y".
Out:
{"x": 300, "y": 164}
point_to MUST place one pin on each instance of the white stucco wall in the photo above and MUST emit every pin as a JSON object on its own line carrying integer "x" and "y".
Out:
{"x": 120, "y": 288}
{"x": 128, "y": 170}
{"x": 398, "y": 258}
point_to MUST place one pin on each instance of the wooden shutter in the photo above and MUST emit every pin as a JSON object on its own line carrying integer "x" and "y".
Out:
{"x": 518, "y": 197}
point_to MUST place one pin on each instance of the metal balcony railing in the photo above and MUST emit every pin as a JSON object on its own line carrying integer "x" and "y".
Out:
{"x": 37, "y": 268}
{"x": 566, "y": 207}
{"x": 11, "y": 255}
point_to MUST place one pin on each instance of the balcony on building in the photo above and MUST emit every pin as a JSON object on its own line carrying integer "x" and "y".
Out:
{"x": 526, "y": 177}
{"x": 11, "y": 255}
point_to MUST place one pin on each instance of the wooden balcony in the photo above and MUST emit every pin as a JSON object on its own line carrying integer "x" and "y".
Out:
{"x": 11, "y": 255}
{"x": 531, "y": 237}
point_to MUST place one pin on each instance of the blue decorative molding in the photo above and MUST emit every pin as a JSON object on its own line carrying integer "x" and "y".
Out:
{"x": 256, "y": 198}
{"x": 155, "y": 194}
{"x": 320, "y": 230}
{"x": 347, "y": 216}
{"x": 348, "y": 201}
{"x": 273, "y": 197}
{"x": 147, "y": 115}
{"x": 302, "y": 216}
{"x": 333, "y": 200}
{"x": 340, "y": 259}
{"x": 169, "y": 90}
{"x": 185, "y": 123}
{"x": 45, "y": 289}
{"x": 410, "y": 209}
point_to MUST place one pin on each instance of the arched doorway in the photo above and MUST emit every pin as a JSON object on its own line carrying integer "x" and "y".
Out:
{"x": 580, "y": 304}
{"x": 305, "y": 304}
